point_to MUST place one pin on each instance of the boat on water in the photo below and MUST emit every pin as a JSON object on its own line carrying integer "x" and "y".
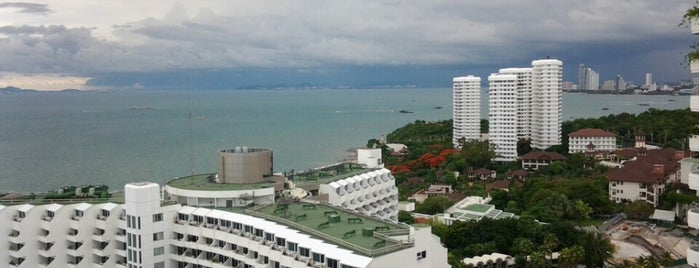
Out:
{"x": 605, "y": 108}
{"x": 438, "y": 107}
{"x": 643, "y": 104}
{"x": 405, "y": 112}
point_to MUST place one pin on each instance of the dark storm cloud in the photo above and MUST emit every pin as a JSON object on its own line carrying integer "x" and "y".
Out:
{"x": 453, "y": 36}
{"x": 26, "y": 7}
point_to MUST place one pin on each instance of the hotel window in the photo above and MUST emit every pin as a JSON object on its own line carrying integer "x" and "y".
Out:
{"x": 158, "y": 236}
{"x": 268, "y": 236}
{"x": 304, "y": 252}
{"x": 332, "y": 263}
{"x": 158, "y": 251}
{"x": 158, "y": 217}
{"x": 291, "y": 246}
{"x": 159, "y": 265}
{"x": 319, "y": 258}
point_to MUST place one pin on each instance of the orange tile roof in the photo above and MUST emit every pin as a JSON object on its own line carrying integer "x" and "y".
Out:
{"x": 591, "y": 132}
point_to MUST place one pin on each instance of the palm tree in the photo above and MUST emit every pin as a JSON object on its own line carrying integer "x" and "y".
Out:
{"x": 598, "y": 249}
{"x": 571, "y": 256}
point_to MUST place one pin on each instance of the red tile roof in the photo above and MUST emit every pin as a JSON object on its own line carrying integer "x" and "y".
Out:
{"x": 481, "y": 171}
{"x": 499, "y": 184}
{"x": 543, "y": 156}
{"x": 645, "y": 169}
{"x": 591, "y": 132}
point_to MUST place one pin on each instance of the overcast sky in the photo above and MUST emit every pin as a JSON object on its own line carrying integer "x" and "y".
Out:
{"x": 64, "y": 44}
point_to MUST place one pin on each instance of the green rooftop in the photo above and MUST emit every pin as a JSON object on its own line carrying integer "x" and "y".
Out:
{"x": 204, "y": 182}
{"x": 480, "y": 208}
{"x": 330, "y": 174}
{"x": 359, "y": 233}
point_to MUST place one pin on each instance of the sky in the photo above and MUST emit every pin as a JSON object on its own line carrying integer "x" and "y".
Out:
{"x": 93, "y": 44}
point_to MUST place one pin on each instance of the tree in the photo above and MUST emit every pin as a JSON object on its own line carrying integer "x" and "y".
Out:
{"x": 434, "y": 205}
{"x": 477, "y": 154}
{"x": 598, "y": 249}
{"x": 524, "y": 146}
{"x": 638, "y": 209}
{"x": 580, "y": 210}
{"x": 550, "y": 245}
{"x": 571, "y": 256}
{"x": 405, "y": 217}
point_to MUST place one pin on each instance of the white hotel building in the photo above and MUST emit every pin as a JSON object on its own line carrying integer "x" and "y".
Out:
{"x": 466, "y": 96}
{"x": 191, "y": 222}
{"x": 502, "y": 116}
{"x": 691, "y": 164}
{"x": 145, "y": 232}
{"x": 547, "y": 98}
{"x": 525, "y": 103}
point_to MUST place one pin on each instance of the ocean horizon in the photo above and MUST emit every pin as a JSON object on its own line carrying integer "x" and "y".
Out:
{"x": 54, "y": 139}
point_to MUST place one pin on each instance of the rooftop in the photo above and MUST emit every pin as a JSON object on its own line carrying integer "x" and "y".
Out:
{"x": 362, "y": 234}
{"x": 204, "y": 182}
{"x": 40, "y": 199}
{"x": 481, "y": 208}
{"x": 329, "y": 174}
{"x": 591, "y": 132}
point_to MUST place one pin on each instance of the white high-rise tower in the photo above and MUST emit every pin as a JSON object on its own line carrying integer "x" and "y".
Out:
{"x": 466, "y": 109}
{"x": 503, "y": 116}
{"x": 546, "y": 103}
{"x": 523, "y": 99}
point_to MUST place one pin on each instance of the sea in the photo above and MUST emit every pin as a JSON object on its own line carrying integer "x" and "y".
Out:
{"x": 54, "y": 139}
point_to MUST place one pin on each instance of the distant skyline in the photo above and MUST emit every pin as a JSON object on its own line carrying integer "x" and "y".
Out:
{"x": 232, "y": 44}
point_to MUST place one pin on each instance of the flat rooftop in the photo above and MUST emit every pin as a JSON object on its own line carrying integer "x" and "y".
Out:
{"x": 117, "y": 197}
{"x": 353, "y": 231}
{"x": 203, "y": 182}
{"x": 481, "y": 208}
{"x": 329, "y": 174}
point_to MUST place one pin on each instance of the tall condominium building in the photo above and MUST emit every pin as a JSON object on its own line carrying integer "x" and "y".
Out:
{"x": 649, "y": 79}
{"x": 588, "y": 79}
{"x": 198, "y": 221}
{"x": 525, "y": 103}
{"x": 523, "y": 99}
{"x": 619, "y": 83}
{"x": 546, "y": 104}
{"x": 466, "y": 98}
{"x": 582, "y": 77}
{"x": 502, "y": 116}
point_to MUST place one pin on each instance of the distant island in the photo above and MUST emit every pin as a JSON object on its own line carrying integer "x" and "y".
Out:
{"x": 6, "y": 90}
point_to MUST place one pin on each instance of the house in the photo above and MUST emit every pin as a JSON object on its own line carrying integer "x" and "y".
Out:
{"x": 646, "y": 177}
{"x": 500, "y": 185}
{"x": 519, "y": 174}
{"x": 481, "y": 174}
{"x": 534, "y": 160}
{"x": 591, "y": 139}
{"x": 433, "y": 190}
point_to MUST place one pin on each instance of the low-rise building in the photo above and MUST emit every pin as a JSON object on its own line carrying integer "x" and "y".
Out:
{"x": 646, "y": 177}
{"x": 534, "y": 160}
{"x": 481, "y": 174}
{"x": 590, "y": 140}
{"x": 433, "y": 190}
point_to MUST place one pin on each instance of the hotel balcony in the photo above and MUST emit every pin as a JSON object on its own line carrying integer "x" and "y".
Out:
{"x": 693, "y": 254}
{"x": 694, "y": 143}
{"x": 694, "y": 100}
{"x": 693, "y": 178}
{"x": 693, "y": 216}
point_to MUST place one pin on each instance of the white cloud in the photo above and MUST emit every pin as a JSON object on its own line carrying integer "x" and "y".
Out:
{"x": 44, "y": 82}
